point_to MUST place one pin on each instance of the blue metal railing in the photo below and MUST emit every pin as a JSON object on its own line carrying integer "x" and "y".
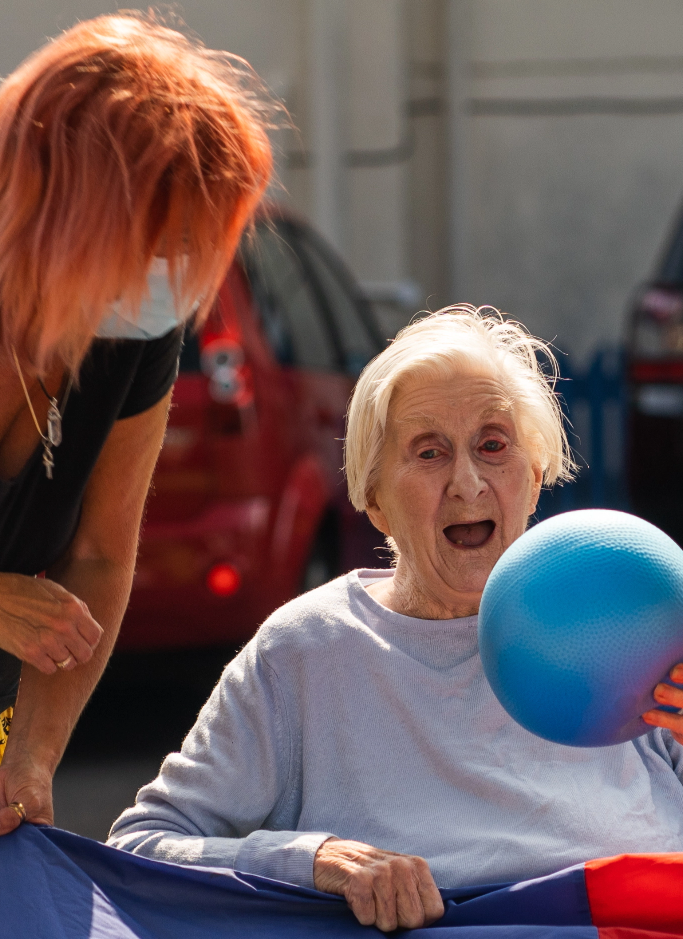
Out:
{"x": 595, "y": 402}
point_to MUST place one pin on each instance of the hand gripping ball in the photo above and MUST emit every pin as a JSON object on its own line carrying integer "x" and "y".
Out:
{"x": 581, "y": 617}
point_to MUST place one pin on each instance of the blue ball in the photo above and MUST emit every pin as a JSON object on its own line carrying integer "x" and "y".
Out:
{"x": 581, "y": 617}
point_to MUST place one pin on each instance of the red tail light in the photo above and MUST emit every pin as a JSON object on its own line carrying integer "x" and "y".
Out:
{"x": 658, "y": 324}
{"x": 223, "y": 580}
{"x": 657, "y": 370}
{"x": 662, "y": 303}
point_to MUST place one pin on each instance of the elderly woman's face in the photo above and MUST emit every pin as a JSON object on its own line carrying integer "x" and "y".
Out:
{"x": 456, "y": 482}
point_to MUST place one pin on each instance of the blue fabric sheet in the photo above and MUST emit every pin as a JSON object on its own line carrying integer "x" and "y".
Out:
{"x": 56, "y": 885}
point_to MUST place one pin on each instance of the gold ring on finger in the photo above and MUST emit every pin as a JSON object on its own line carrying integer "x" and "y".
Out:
{"x": 19, "y": 809}
{"x": 67, "y": 661}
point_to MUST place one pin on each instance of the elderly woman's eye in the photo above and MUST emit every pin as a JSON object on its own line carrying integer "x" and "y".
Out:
{"x": 429, "y": 454}
{"x": 492, "y": 446}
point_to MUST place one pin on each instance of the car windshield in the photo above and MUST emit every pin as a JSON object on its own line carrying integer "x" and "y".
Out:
{"x": 352, "y": 321}
{"x": 289, "y": 308}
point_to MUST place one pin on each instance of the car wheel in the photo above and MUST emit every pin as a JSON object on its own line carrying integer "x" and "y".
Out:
{"x": 323, "y": 559}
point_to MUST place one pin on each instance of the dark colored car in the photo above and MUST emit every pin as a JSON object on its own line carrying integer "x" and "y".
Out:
{"x": 249, "y": 504}
{"x": 655, "y": 372}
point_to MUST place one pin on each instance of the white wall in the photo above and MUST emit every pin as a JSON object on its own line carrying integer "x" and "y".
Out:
{"x": 265, "y": 31}
{"x": 378, "y": 221}
{"x": 531, "y": 158}
{"x": 352, "y": 89}
{"x": 576, "y": 158}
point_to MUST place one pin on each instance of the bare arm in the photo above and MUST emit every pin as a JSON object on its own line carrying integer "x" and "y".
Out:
{"x": 98, "y": 569}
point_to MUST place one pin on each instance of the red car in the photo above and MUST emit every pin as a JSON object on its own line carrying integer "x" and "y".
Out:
{"x": 249, "y": 504}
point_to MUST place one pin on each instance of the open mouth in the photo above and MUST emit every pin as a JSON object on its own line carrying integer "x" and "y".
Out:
{"x": 472, "y": 535}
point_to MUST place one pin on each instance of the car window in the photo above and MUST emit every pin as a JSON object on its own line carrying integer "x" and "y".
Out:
{"x": 353, "y": 332}
{"x": 671, "y": 266}
{"x": 292, "y": 318}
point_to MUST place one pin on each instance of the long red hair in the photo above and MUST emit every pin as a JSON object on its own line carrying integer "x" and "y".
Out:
{"x": 119, "y": 140}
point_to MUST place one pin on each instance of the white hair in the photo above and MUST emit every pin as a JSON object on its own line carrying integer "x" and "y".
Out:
{"x": 463, "y": 339}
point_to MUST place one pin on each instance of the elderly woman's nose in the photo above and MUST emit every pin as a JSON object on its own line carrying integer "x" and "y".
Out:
{"x": 466, "y": 482}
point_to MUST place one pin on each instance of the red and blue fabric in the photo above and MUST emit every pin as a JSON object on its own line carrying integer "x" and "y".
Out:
{"x": 56, "y": 885}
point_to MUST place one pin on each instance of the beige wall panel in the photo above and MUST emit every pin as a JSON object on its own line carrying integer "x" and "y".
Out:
{"x": 27, "y": 24}
{"x": 377, "y": 76}
{"x": 425, "y": 22}
{"x": 427, "y": 235}
{"x": 377, "y": 128}
{"x": 569, "y": 215}
{"x": 624, "y": 82}
{"x": 266, "y": 32}
{"x": 548, "y": 29}
{"x": 377, "y": 223}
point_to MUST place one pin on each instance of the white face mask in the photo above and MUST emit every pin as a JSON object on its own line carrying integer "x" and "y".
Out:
{"x": 157, "y": 316}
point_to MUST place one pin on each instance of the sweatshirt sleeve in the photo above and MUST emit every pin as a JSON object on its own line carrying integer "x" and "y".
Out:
{"x": 675, "y": 751}
{"x": 211, "y": 803}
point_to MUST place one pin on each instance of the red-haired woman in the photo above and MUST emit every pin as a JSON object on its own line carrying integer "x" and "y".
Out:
{"x": 131, "y": 160}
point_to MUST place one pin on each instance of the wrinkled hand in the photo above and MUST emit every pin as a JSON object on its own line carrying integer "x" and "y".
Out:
{"x": 382, "y": 888}
{"x": 666, "y": 694}
{"x": 42, "y": 623}
{"x": 25, "y": 782}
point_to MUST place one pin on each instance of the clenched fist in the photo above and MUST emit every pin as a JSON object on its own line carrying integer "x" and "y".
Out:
{"x": 383, "y": 889}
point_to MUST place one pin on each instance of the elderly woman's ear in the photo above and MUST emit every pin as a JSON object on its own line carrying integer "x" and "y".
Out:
{"x": 537, "y": 470}
{"x": 377, "y": 516}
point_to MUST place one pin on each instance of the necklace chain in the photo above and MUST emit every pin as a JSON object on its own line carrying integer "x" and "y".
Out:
{"x": 53, "y": 438}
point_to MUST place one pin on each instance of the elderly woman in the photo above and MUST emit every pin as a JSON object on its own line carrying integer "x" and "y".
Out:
{"x": 354, "y": 745}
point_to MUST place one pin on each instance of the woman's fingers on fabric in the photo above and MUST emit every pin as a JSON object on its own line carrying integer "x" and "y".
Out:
{"x": 432, "y": 901}
{"x": 9, "y": 820}
{"x": 360, "y": 896}
{"x": 386, "y": 893}
{"x": 382, "y": 888}
{"x": 410, "y": 911}
{"x": 33, "y": 789}
{"x": 386, "y": 904}
{"x": 418, "y": 902}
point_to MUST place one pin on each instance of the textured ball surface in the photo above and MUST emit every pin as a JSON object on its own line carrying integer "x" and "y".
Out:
{"x": 581, "y": 617}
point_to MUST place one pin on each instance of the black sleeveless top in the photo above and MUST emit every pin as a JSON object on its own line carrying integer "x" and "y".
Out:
{"x": 39, "y": 516}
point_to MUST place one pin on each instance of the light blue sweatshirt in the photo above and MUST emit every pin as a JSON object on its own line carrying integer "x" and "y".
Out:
{"x": 343, "y": 718}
